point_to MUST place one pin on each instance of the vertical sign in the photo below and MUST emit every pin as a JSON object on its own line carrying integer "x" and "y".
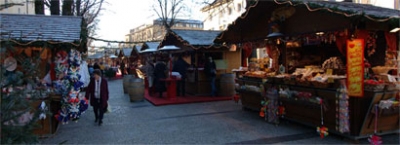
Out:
{"x": 355, "y": 67}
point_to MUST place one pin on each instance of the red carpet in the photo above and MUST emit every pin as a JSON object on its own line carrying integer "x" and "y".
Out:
{"x": 156, "y": 101}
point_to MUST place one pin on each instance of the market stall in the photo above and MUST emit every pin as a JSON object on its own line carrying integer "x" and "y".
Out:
{"x": 330, "y": 65}
{"x": 43, "y": 63}
{"x": 197, "y": 46}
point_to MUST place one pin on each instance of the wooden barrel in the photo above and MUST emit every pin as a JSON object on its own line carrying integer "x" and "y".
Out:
{"x": 227, "y": 84}
{"x": 136, "y": 89}
{"x": 125, "y": 82}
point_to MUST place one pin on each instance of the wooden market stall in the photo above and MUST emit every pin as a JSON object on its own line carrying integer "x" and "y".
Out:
{"x": 198, "y": 45}
{"x": 39, "y": 38}
{"x": 315, "y": 46}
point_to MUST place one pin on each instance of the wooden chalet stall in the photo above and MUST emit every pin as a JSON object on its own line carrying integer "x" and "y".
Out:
{"x": 313, "y": 47}
{"x": 39, "y": 38}
{"x": 196, "y": 46}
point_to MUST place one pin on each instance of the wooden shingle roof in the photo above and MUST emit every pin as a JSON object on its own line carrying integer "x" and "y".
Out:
{"x": 40, "y": 28}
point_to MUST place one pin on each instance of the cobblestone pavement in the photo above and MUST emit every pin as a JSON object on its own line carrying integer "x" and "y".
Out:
{"x": 222, "y": 122}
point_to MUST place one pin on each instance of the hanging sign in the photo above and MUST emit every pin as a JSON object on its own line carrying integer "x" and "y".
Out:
{"x": 355, "y": 67}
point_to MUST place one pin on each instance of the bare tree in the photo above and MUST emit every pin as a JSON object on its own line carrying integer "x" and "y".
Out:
{"x": 55, "y": 7}
{"x": 39, "y": 7}
{"x": 167, "y": 10}
{"x": 67, "y": 7}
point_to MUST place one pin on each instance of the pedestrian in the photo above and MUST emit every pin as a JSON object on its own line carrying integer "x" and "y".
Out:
{"x": 159, "y": 74}
{"x": 97, "y": 93}
{"x": 122, "y": 67}
{"x": 210, "y": 71}
{"x": 180, "y": 66}
{"x": 150, "y": 76}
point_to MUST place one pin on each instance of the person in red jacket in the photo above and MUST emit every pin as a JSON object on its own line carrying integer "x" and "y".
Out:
{"x": 97, "y": 93}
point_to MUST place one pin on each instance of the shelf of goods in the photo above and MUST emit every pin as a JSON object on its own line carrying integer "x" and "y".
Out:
{"x": 305, "y": 108}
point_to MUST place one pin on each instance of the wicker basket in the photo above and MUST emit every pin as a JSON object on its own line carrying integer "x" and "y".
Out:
{"x": 374, "y": 88}
{"x": 391, "y": 86}
{"x": 319, "y": 84}
{"x": 381, "y": 70}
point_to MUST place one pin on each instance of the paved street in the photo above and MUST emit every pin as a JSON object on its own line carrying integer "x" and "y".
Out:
{"x": 221, "y": 122}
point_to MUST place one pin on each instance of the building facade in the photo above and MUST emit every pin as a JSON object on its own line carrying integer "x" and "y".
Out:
{"x": 156, "y": 31}
{"x": 220, "y": 13}
{"x": 26, "y": 7}
{"x": 391, "y": 4}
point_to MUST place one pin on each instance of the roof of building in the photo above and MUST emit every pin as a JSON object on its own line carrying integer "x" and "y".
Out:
{"x": 183, "y": 20}
{"x": 197, "y": 37}
{"x": 215, "y": 3}
{"x": 40, "y": 27}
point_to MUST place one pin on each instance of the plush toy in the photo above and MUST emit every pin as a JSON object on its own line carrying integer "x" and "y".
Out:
{"x": 62, "y": 57}
{"x": 62, "y": 115}
{"x": 323, "y": 131}
{"x": 42, "y": 109}
{"x": 83, "y": 105}
{"x": 74, "y": 109}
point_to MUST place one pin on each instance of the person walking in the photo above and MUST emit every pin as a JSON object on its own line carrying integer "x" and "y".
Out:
{"x": 181, "y": 66}
{"x": 210, "y": 70}
{"x": 122, "y": 67}
{"x": 97, "y": 93}
{"x": 159, "y": 74}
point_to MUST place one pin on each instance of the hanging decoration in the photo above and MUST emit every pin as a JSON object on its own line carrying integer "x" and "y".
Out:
{"x": 375, "y": 139}
{"x": 323, "y": 131}
{"x": 73, "y": 104}
{"x": 342, "y": 102}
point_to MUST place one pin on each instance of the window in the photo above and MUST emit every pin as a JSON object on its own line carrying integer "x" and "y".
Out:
{"x": 229, "y": 11}
{"x": 210, "y": 17}
{"x": 239, "y": 7}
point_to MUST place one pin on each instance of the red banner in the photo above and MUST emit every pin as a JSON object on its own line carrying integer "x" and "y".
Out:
{"x": 355, "y": 67}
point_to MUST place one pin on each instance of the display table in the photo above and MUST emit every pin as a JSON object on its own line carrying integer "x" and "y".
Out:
{"x": 304, "y": 111}
{"x": 171, "y": 87}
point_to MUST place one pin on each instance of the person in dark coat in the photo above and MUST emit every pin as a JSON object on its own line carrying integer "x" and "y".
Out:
{"x": 210, "y": 71}
{"x": 160, "y": 73}
{"x": 181, "y": 66}
{"x": 97, "y": 93}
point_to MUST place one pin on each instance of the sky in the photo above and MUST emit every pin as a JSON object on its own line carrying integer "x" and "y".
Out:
{"x": 120, "y": 16}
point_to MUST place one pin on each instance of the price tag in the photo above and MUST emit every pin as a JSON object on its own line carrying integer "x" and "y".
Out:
{"x": 329, "y": 71}
{"x": 331, "y": 80}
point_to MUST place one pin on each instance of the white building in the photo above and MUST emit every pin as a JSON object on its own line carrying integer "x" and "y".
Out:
{"x": 24, "y": 7}
{"x": 220, "y": 13}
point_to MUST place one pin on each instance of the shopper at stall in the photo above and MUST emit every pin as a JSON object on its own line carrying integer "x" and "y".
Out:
{"x": 180, "y": 66}
{"x": 122, "y": 67}
{"x": 150, "y": 76}
{"x": 210, "y": 70}
{"x": 97, "y": 93}
{"x": 159, "y": 74}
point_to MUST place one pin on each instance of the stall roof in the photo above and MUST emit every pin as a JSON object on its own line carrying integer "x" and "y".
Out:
{"x": 194, "y": 39}
{"x": 96, "y": 56}
{"x": 40, "y": 27}
{"x": 126, "y": 51}
{"x": 149, "y": 45}
{"x": 252, "y": 24}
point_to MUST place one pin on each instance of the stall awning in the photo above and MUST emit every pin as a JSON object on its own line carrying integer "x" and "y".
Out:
{"x": 308, "y": 16}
